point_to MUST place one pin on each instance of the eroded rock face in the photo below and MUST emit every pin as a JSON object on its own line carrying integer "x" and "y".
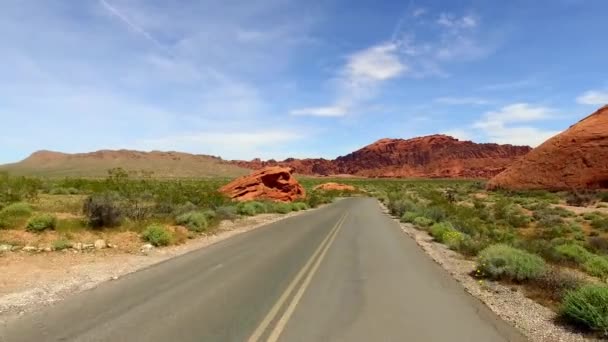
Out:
{"x": 435, "y": 156}
{"x": 335, "y": 186}
{"x": 574, "y": 159}
{"x": 271, "y": 183}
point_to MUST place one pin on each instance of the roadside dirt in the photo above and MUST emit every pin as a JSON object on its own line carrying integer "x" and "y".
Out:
{"x": 30, "y": 281}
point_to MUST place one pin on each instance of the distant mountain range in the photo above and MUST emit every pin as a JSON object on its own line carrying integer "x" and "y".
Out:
{"x": 430, "y": 156}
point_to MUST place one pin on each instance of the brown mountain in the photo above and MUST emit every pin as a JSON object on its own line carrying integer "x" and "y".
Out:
{"x": 429, "y": 156}
{"x": 574, "y": 159}
{"x": 96, "y": 164}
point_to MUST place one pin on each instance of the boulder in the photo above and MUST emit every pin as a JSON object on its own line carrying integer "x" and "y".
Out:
{"x": 335, "y": 186}
{"x": 574, "y": 159}
{"x": 270, "y": 183}
{"x": 100, "y": 244}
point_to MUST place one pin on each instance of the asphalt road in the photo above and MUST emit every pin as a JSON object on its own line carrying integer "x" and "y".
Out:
{"x": 345, "y": 272}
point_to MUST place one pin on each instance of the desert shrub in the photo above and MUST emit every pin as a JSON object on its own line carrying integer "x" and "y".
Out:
{"x": 453, "y": 239}
{"x": 14, "y": 214}
{"x": 297, "y": 206}
{"x": 195, "y": 221}
{"x": 597, "y": 266}
{"x": 603, "y": 196}
{"x": 64, "y": 191}
{"x": 598, "y": 244}
{"x": 61, "y": 244}
{"x": 18, "y": 209}
{"x": 184, "y": 208}
{"x": 438, "y": 230}
{"x": 435, "y": 213}
{"x": 472, "y": 246}
{"x": 157, "y": 235}
{"x": 592, "y": 215}
{"x": 41, "y": 223}
{"x": 316, "y": 198}
{"x": 600, "y": 223}
{"x": 227, "y": 213}
{"x": 252, "y": 208}
{"x": 573, "y": 253}
{"x": 555, "y": 283}
{"x": 409, "y": 217}
{"x": 421, "y": 221}
{"x": 580, "y": 199}
{"x": 587, "y": 307}
{"x": 103, "y": 210}
{"x": 281, "y": 208}
{"x": 505, "y": 262}
{"x": 401, "y": 206}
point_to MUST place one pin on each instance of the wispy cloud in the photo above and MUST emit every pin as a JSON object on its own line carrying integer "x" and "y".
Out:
{"x": 358, "y": 80}
{"x": 130, "y": 23}
{"x": 593, "y": 97}
{"x": 509, "y": 85}
{"x": 321, "y": 111}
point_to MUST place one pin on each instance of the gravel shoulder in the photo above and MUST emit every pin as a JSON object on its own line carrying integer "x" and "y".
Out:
{"x": 535, "y": 321}
{"x": 30, "y": 281}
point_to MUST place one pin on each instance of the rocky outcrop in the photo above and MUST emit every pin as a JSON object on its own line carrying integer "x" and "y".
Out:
{"x": 335, "y": 187}
{"x": 434, "y": 156}
{"x": 574, "y": 159}
{"x": 271, "y": 183}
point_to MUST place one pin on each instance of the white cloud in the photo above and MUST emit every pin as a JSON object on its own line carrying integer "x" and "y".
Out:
{"x": 453, "y": 22}
{"x": 359, "y": 79}
{"x": 321, "y": 111}
{"x": 377, "y": 63}
{"x": 457, "y": 133}
{"x": 462, "y": 101}
{"x": 228, "y": 145}
{"x": 593, "y": 97}
{"x": 418, "y": 12}
{"x": 498, "y": 126}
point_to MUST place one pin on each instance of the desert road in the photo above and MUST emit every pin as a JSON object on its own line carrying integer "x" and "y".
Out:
{"x": 345, "y": 272}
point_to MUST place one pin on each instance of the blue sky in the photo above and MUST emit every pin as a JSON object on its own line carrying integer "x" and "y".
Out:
{"x": 280, "y": 78}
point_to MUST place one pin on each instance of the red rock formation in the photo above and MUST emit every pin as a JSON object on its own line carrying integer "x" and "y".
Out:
{"x": 271, "y": 183}
{"x": 574, "y": 159}
{"x": 437, "y": 156}
{"x": 335, "y": 186}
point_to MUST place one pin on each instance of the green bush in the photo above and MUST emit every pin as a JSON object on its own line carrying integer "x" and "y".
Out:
{"x": 401, "y": 206}
{"x": 41, "y": 223}
{"x": 195, "y": 221}
{"x": 472, "y": 246}
{"x": 184, "y": 208}
{"x": 453, "y": 239}
{"x": 409, "y": 217}
{"x": 157, "y": 235}
{"x": 61, "y": 244}
{"x": 505, "y": 262}
{"x": 14, "y": 214}
{"x": 281, "y": 208}
{"x": 297, "y": 206}
{"x": 252, "y": 208}
{"x": 227, "y": 213}
{"x": 438, "y": 230}
{"x": 18, "y": 209}
{"x": 600, "y": 223}
{"x": 587, "y": 307}
{"x": 597, "y": 266}
{"x": 421, "y": 221}
{"x": 104, "y": 210}
{"x": 573, "y": 253}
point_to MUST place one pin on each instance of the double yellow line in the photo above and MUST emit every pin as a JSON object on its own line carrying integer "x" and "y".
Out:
{"x": 309, "y": 270}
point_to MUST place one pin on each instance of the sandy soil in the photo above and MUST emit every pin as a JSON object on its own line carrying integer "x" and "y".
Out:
{"x": 30, "y": 280}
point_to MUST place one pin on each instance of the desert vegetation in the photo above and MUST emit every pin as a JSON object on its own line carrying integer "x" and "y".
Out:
{"x": 57, "y": 212}
{"x": 552, "y": 244}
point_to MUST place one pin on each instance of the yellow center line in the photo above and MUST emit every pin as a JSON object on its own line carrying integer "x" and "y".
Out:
{"x": 277, "y": 306}
{"x": 280, "y": 326}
